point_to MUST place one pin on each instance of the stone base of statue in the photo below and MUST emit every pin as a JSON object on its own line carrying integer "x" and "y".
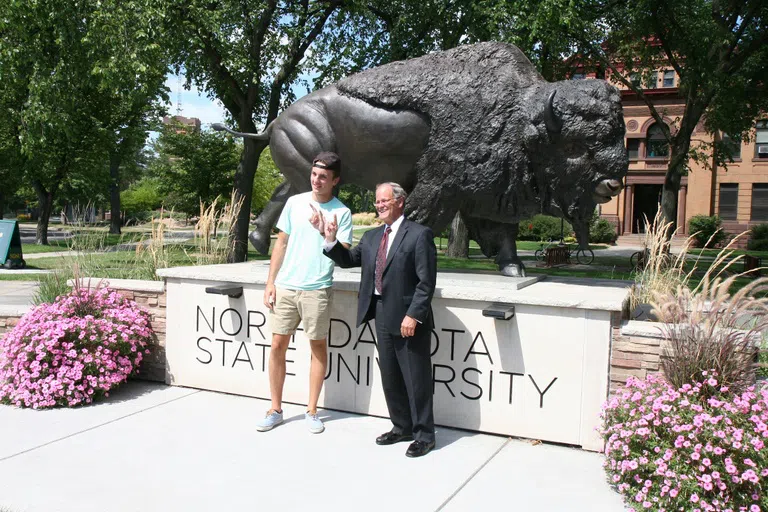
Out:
{"x": 519, "y": 357}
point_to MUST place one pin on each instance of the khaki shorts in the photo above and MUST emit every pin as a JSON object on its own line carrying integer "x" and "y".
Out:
{"x": 313, "y": 307}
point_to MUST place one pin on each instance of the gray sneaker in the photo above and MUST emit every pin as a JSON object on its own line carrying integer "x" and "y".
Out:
{"x": 270, "y": 421}
{"x": 313, "y": 423}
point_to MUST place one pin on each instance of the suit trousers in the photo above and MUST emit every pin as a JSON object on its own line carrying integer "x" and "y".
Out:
{"x": 406, "y": 376}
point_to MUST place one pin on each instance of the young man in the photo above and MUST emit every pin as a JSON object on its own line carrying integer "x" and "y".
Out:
{"x": 299, "y": 284}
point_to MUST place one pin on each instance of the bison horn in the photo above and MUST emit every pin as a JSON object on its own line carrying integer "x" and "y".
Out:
{"x": 553, "y": 122}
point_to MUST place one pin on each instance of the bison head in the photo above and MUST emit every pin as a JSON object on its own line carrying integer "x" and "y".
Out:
{"x": 575, "y": 143}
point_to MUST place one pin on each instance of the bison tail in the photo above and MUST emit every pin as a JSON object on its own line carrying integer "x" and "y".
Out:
{"x": 265, "y": 135}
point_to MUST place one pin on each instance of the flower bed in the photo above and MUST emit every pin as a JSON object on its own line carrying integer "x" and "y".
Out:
{"x": 697, "y": 448}
{"x": 74, "y": 350}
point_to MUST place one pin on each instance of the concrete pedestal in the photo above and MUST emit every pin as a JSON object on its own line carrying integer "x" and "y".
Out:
{"x": 542, "y": 374}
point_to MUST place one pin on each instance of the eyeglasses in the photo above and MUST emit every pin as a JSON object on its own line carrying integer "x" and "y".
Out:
{"x": 383, "y": 201}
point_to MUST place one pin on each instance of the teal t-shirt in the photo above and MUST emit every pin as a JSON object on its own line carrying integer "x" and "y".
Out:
{"x": 304, "y": 265}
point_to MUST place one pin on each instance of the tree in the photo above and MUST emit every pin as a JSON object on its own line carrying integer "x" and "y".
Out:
{"x": 130, "y": 65}
{"x": 718, "y": 49}
{"x": 78, "y": 81}
{"x": 44, "y": 58}
{"x": 194, "y": 166}
{"x": 265, "y": 181}
{"x": 245, "y": 53}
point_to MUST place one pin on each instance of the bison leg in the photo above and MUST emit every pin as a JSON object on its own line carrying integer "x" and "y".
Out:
{"x": 260, "y": 237}
{"x": 508, "y": 261}
{"x": 499, "y": 241}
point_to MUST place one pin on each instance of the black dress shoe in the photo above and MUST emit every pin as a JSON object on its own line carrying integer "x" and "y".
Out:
{"x": 419, "y": 448}
{"x": 392, "y": 438}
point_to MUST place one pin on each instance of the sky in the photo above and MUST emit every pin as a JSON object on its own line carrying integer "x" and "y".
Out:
{"x": 194, "y": 103}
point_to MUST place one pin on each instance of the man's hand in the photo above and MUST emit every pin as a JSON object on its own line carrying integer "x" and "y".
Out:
{"x": 331, "y": 227}
{"x": 317, "y": 220}
{"x": 408, "y": 327}
{"x": 269, "y": 296}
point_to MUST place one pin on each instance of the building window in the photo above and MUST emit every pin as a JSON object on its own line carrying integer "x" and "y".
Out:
{"x": 759, "y": 202}
{"x": 669, "y": 78}
{"x": 578, "y": 76}
{"x": 636, "y": 80}
{"x": 732, "y": 147}
{"x": 729, "y": 199}
{"x": 633, "y": 149}
{"x": 656, "y": 144}
{"x": 761, "y": 139}
{"x": 651, "y": 80}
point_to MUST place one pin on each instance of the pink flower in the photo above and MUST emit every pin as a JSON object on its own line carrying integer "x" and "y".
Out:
{"x": 55, "y": 334}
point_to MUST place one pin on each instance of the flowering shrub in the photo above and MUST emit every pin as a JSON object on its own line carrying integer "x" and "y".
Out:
{"x": 697, "y": 448}
{"x": 72, "y": 351}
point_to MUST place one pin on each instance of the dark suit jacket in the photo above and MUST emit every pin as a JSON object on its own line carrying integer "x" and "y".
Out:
{"x": 409, "y": 275}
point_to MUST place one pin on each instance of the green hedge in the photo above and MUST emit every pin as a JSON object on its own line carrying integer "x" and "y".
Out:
{"x": 705, "y": 229}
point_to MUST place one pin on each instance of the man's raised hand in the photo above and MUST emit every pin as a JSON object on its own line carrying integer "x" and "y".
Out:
{"x": 317, "y": 220}
{"x": 331, "y": 227}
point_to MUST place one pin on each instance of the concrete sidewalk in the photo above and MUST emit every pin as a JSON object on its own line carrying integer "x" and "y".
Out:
{"x": 17, "y": 293}
{"x": 150, "y": 447}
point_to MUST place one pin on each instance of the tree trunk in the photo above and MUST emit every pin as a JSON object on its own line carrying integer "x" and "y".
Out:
{"x": 678, "y": 157}
{"x": 2, "y": 205}
{"x": 114, "y": 193}
{"x": 238, "y": 247}
{"x": 45, "y": 204}
{"x": 458, "y": 239}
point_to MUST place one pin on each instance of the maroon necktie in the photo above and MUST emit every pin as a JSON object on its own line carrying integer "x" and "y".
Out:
{"x": 381, "y": 258}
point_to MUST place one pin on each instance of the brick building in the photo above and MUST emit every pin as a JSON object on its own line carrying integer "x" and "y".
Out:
{"x": 738, "y": 193}
{"x": 186, "y": 123}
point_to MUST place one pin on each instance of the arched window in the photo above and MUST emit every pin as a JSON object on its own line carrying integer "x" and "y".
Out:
{"x": 656, "y": 144}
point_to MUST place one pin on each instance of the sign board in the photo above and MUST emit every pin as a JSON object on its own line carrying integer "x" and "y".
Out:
{"x": 10, "y": 245}
{"x": 541, "y": 373}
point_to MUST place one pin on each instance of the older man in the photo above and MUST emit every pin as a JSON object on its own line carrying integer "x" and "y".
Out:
{"x": 399, "y": 269}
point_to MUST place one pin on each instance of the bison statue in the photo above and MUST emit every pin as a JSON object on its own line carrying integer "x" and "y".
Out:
{"x": 474, "y": 130}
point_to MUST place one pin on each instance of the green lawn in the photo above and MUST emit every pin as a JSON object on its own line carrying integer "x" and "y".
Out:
{"x": 736, "y": 252}
{"x": 127, "y": 264}
{"x": 85, "y": 240}
{"x": 56, "y": 246}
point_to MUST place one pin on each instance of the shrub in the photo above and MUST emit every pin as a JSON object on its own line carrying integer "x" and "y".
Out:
{"x": 707, "y": 231}
{"x": 525, "y": 230}
{"x": 697, "y": 447}
{"x": 602, "y": 232}
{"x": 140, "y": 200}
{"x": 72, "y": 351}
{"x": 758, "y": 238}
{"x": 542, "y": 228}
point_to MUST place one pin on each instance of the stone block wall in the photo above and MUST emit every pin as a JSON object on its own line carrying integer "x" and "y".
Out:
{"x": 636, "y": 350}
{"x": 8, "y": 320}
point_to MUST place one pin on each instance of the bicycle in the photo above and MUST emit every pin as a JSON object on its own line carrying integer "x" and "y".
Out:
{"x": 637, "y": 260}
{"x": 582, "y": 256}
{"x": 585, "y": 256}
{"x": 539, "y": 253}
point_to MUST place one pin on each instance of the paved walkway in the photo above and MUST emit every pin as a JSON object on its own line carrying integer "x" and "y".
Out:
{"x": 156, "y": 448}
{"x": 17, "y": 293}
